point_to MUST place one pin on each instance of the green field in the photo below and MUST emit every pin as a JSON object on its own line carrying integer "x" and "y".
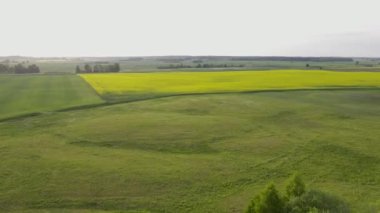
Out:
{"x": 210, "y": 150}
{"x": 22, "y": 94}
{"x": 137, "y": 85}
{"x": 197, "y": 153}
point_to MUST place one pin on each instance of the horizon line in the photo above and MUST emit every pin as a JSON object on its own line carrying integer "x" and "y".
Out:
{"x": 152, "y": 56}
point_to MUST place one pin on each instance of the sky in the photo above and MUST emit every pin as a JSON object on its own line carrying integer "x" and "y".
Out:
{"x": 54, "y": 28}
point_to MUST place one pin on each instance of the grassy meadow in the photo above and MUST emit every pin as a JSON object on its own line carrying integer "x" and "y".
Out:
{"x": 22, "y": 94}
{"x": 196, "y": 153}
{"x": 210, "y": 150}
{"x": 133, "y": 85}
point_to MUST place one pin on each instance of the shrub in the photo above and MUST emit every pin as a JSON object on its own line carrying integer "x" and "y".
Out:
{"x": 295, "y": 186}
{"x": 269, "y": 201}
{"x": 297, "y": 200}
{"x": 316, "y": 201}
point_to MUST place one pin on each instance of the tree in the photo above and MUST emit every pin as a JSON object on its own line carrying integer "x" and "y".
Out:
{"x": 295, "y": 186}
{"x": 19, "y": 69}
{"x": 298, "y": 200}
{"x": 98, "y": 68}
{"x": 77, "y": 69}
{"x": 117, "y": 67}
{"x": 317, "y": 201}
{"x": 33, "y": 69}
{"x": 269, "y": 201}
{"x": 307, "y": 65}
{"x": 251, "y": 208}
{"x": 87, "y": 68}
{"x": 4, "y": 68}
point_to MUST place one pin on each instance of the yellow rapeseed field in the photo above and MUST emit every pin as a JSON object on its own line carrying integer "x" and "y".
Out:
{"x": 227, "y": 81}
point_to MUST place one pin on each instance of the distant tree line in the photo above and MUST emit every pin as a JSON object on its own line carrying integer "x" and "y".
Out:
{"x": 178, "y": 59}
{"x": 98, "y": 68}
{"x": 279, "y": 58}
{"x": 313, "y": 67}
{"x": 175, "y": 66}
{"x": 19, "y": 69}
{"x": 179, "y": 66}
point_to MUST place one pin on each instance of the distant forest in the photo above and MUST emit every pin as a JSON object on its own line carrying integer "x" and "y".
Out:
{"x": 279, "y": 58}
{"x": 98, "y": 68}
{"x": 18, "y": 69}
{"x": 254, "y": 58}
{"x": 179, "y": 66}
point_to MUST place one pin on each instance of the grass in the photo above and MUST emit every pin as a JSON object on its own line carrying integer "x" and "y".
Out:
{"x": 134, "y": 85}
{"x": 23, "y": 94}
{"x": 196, "y": 153}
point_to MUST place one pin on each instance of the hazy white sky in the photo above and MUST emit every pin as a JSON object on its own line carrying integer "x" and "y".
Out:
{"x": 190, "y": 27}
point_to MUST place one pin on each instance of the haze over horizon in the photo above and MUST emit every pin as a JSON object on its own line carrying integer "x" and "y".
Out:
{"x": 72, "y": 28}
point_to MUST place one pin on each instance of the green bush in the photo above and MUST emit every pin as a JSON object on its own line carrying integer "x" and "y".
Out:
{"x": 297, "y": 200}
{"x": 269, "y": 201}
{"x": 316, "y": 201}
{"x": 295, "y": 186}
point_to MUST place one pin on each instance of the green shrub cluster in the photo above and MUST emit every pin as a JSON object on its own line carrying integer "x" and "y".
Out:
{"x": 296, "y": 200}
